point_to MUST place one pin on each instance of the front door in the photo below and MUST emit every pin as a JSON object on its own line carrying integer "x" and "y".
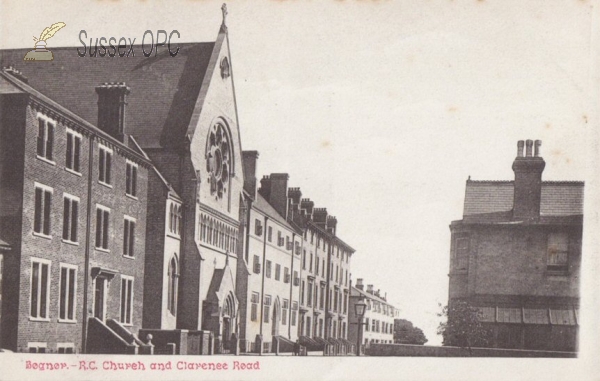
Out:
{"x": 100, "y": 299}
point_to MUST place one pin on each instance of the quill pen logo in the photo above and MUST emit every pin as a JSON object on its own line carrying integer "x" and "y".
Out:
{"x": 40, "y": 53}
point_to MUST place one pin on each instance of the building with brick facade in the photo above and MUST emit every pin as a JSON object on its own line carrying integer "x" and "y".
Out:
{"x": 516, "y": 254}
{"x": 378, "y": 319}
{"x": 73, "y": 219}
{"x": 181, "y": 112}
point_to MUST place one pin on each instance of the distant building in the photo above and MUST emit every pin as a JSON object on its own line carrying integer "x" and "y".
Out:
{"x": 516, "y": 254}
{"x": 379, "y": 316}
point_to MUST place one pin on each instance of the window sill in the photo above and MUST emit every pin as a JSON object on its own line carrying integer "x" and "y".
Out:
{"x": 42, "y": 235}
{"x": 46, "y": 160}
{"x": 70, "y": 242}
{"x": 557, "y": 273}
{"x": 43, "y": 320}
{"x": 173, "y": 236}
{"x": 128, "y": 257}
{"x": 65, "y": 321}
{"x": 73, "y": 171}
{"x": 103, "y": 250}
{"x": 131, "y": 196}
{"x": 105, "y": 184}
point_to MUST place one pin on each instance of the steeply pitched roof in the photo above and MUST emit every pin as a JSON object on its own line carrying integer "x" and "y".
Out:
{"x": 559, "y": 198}
{"x": 164, "y": 89}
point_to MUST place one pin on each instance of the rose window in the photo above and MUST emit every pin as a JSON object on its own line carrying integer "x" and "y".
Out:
{"x": 218, "y": 160}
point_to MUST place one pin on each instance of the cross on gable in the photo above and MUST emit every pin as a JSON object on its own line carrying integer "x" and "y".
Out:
{"x": 224, "y": 10}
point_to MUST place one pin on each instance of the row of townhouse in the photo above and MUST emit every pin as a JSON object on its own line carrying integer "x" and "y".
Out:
{"x": 132, "y": 221}
{"x": 378, "y": 319}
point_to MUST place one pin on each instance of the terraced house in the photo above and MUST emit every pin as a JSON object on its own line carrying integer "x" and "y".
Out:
{"x": 268, "y": 276}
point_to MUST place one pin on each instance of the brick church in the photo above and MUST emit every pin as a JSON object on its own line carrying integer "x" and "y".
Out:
{"x": 131, "y": 222}
{"x": 516, "y": 254}
{"x": 121, "y": 188}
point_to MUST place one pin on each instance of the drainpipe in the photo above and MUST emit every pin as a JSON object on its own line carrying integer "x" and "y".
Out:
{"x": 291, "y": 288}
{"x": 262, "y": 286}
{"x": 86, "y": 265}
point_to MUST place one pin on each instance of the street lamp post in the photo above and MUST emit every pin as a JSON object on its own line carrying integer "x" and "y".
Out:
{"x": 360, "y": 308}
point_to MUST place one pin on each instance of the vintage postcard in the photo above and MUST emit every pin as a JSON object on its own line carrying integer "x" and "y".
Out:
{"x": 299, "y": 190}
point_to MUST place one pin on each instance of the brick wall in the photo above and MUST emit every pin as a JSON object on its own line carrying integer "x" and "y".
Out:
{"x": 54, "y": 249}
{"x": 431, "y": 351}
{"x": 155, "y": 243}
{"x": 513, "y": 261}
{"x": 12, "y": 143}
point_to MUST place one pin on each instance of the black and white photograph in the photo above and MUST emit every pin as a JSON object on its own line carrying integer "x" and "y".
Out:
{"x": 302, "y": 190}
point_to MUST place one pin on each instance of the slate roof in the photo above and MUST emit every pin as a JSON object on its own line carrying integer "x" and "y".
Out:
{"x": 26, "y": 88}
{"x": 494, "y": 199}
{"x": 262, "y": 205}
{"x": 164, "y": 89}
{"x": 8, "y": 88}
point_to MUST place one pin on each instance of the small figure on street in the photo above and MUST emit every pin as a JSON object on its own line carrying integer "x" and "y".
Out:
{"x": 297, "y": 348}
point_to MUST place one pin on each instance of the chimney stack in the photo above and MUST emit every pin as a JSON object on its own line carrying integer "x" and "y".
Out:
{"x": 331, "y": 224}
{"x": 320, "y": 217}
{"x": 370, "y": 289}
{"x": 112, "y": 99}
{"x": 307, "y": 206}
{"x": 249, "y": 159}
{"x": 274, "y": 189}
{"x": 359, "y": 284}
{"x": 528, "y": 181}
{"x": 294, "y": 197}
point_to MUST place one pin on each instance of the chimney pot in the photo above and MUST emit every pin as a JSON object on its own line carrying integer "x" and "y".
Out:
{"x": 520, "y": 145}
{"x": 538, "y": 144}
{"x": 528, "y": 146}
{"x": 359, "y": 284}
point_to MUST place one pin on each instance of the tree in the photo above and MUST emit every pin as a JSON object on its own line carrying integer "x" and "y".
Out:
{"x": 463, "y": 327}
{"x": 406, "y": 333}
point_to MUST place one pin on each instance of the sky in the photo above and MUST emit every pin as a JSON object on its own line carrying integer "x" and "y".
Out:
{"x": 380, "y": 110}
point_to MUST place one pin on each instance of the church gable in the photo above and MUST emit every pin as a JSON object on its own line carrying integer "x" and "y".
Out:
{"x": 214, "y": 134}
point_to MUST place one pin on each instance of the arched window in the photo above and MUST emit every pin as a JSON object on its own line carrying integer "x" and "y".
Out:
{"x": 210, "y": 231}
{"x": 202, "y": 225}
{"x": 216, "y": 235}
{"x": 172, "y": 283}
{"x": 178, "y": 219}
{"x": 171, "y": 218}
